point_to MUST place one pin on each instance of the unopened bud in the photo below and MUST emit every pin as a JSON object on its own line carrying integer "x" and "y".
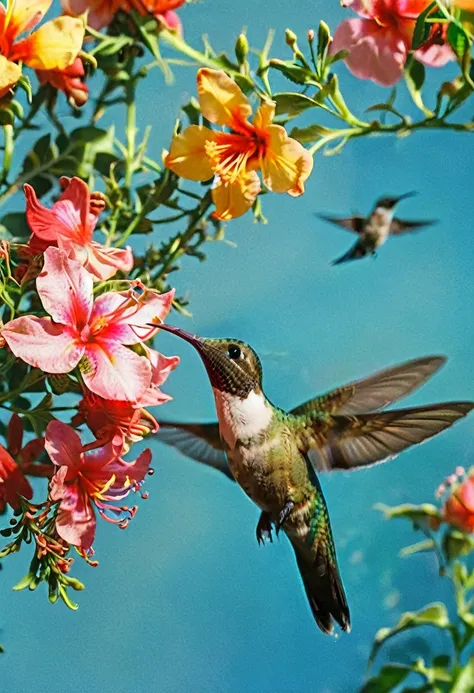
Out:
{"x": 241, "y": 48}
{"x": 310, "y": 35}
{"x": 291, "y": 39}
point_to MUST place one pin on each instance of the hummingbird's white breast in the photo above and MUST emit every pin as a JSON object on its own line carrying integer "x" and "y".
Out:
{"x": 242, "y": 419}
{"x": 378, "y": 227}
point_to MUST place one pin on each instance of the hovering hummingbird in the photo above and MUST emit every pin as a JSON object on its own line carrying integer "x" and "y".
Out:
{"x": 376, "y": 228}
{"x": 274, "y": 455}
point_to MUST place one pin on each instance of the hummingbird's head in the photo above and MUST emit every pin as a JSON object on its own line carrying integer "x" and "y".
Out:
{"x": 390, "y": 202}
{"x": 232, "y": 366}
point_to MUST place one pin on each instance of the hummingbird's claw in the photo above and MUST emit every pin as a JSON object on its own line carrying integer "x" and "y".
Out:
{"x": 264, "y": 528}
{"x": 284, "y": 515}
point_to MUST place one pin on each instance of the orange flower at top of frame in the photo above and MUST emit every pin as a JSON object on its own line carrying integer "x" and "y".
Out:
{"x": 234, "y": 155}
{"x": 54, "y": 46}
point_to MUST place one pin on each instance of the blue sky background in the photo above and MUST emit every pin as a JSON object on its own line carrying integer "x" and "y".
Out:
{"x": 185, "y": 600}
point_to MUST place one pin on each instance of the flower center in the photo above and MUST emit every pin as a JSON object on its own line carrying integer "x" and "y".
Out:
{"x": 232, "y": 154}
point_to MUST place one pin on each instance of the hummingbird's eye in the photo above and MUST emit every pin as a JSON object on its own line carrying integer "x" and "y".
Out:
{"x": 234, "y": 352}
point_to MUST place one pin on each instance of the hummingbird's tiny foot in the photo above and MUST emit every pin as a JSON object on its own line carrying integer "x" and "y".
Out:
{"x": 284, "y": 515}
{"x": 264, "y": 528}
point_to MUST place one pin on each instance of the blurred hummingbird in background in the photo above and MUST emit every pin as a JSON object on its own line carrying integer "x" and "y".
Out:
{"x": 274, "y": 455}
{"x": 375, "y": 229}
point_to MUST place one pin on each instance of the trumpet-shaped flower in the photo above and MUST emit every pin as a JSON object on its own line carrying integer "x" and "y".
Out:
{"x": 459, "y": 507}
{"x": 70, "y": 225}
{"x": 234, "y": 155}
{"x": 101, "y": 12}
{"x": 68, "y": 81}
{"x": 16, "y": 461}
{"x": 90, "y": 478}
{"x": 54, "y": 46}
{"x": 378, "y": 42}
{"x": 94, "y": 335}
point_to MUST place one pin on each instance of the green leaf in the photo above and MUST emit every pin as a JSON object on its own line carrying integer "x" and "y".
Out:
{"x": 432, "y": 615}
{"x": 7, "y": 117}
{"x": 295, "y": 73}
{"x": 465, "y": 681}
{"x": 25, "y": 84}
{"x": 458, "y": 40}
{"x": 389, "y": 677}
{"x": 419, "y": 547}
{"x": 426, "y": 512}
{"x": 422, "y": 30}
{"x": 456, "y": 543}
{"x": 415, "y": 77}
{"x": 292, "y": 104}
{"x": 15, "y": 224}
{"x": 310, "y": 134}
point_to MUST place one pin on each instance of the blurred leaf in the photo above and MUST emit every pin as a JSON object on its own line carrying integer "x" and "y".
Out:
{"x": 465, "y": 681}
{"x": 310, "y": 134}
{"x": 292, "y": 104}
{"x": 15, "y": 223}
{"x": 458, "y": 40}
{"x": 422, "y": 30}
{"x": 425, "y": 512}
{"x": 389, "y": 677}
{"x": 432, "y": 615}
{"x": 295, "y": 73}
{"x": 415, "y": 78}
{"x": 25, "y": 84}
{"x": 456, "y": 543}
{"x": 7, "y": 117}
{"x": 419, "y": 547}
{"x": 193, "y": 111}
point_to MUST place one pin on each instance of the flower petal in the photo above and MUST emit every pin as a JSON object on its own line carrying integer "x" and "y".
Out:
{"x": 12, "y": 481}
{"x": 286, "y": 164}
{"x": 63, "y": 446}
{"x": 375, "y": 53}
{"x": 233, "y": 199}
{"x": 75, "y": 521}
{"x": 65, "y": 289}
{"x": 42, "y": 344}
{"x": 115, "y": 372}
{"x": 435, "y": 55}
{"x": 25, "y": 15}
{"x": 101, "y": 12}
{"x": 220, "y": 98}
{"x": 10, "y": 73}
{"x": 54, "y": 46}
{"x": 187, "y": 156}
{"x": 41, "y": 220}
{"x": 103, "y": 263}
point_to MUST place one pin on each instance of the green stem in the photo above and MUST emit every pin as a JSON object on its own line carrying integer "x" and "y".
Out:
{"x": 131, "y": 131}
{"x": 8, "y": 151}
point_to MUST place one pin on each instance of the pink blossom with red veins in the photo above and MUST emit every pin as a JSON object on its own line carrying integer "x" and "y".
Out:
{"x": 70, "y": 225}
{"x": 378, "y": 42}
{"x": 89, "y": 479}
{"x": 94, "y": 335}
{"x": 68, "y": 81}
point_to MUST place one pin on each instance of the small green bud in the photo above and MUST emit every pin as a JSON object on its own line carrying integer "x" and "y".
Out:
{"x": 291, "y": 39}
{"x": 241, "y": 49}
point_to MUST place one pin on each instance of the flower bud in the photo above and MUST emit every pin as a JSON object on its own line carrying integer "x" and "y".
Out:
{"x": 241, "y": 49}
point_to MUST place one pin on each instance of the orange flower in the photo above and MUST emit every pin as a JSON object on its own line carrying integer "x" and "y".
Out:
{"x": 459, "y": 508}
{"x": 68, "y": 81}
{"x": 234, "y": 155}
{"x": 54, "y": 46}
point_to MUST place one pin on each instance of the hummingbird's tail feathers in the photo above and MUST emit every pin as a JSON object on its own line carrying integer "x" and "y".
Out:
{"x": 324, "y": 589}
{"x": 357, "y": 251}
{"x": 355, "y": 224}
{"x": 364, "y": 439}
{"x": 377, "y": 391}
{"x": 200, "y": 442}
{"x": 399, "y": 226}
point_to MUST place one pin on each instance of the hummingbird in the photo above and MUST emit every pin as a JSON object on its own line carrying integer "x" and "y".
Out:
{"x": 376, "y": 228}
{"x": 274, "y": 455}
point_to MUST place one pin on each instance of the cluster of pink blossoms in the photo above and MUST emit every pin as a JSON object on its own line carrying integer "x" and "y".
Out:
{"x": 102, "y": 341}
{"x": 379, "y": 40}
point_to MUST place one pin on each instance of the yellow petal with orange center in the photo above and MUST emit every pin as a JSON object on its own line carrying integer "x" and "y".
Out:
{"x": 23, "y": 15}
{"x": 9, "y": 75}
{"x": 232, "y": 200}
{"x": 264, "y": 116}
{"x": 54, "y": 46}
{"x": 187, "y": 156}
{"x": 221, "y": 100}
{"x": 286, "y": 164}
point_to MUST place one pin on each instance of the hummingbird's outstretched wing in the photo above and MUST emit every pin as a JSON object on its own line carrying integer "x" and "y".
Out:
{"x": 347, "y": 442}
{"x": 377, "y": 391}
{"x": 399, "y": 226}
{"x": 355, "y": 224}
{"x": 355, "y": 253}
{"x": 200, "y": 442}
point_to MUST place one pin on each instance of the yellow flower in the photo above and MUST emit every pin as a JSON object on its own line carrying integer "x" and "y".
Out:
{"x": 54, "y": 46}
{"x": 234, "y": 155}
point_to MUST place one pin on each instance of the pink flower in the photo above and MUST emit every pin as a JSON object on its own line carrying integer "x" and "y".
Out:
{"x": 94, "y": 335}
{"x": 101, "y": 12}
{"x": 378, "y": 42}
{"x": 162, "y": 10}
{"x": 68, "y": 81}
{"x": 89, "y": 478}
{"x": 70, "y": 224}
{"x": 459, "y": 507}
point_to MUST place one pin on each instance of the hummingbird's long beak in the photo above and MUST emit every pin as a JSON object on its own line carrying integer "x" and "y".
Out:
{"x": 193, "y": 339}
{"x": 412, "y": 193}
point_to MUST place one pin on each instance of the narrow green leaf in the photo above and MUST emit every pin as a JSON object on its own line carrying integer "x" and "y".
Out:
{"x": 389, "y": 677}
{"x": 419, "y": 547}
{"x": 422, "y": 30}
{"x": 458, "y": 40}
{"x": 415, "y": 77}
{"x": 309, "y": 134}
{"x": 465, "y": 681}
{"x": 425, "y": 511}
{"x": 292, "y": 104}
{"x": 295, "y": 73}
